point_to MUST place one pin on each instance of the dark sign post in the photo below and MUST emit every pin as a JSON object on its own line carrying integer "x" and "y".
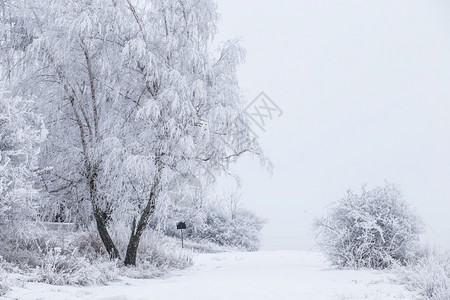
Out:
{"x": 181, "y": 226}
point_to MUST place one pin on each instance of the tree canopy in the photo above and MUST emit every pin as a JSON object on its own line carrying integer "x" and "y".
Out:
{"x": 132, "y": 96}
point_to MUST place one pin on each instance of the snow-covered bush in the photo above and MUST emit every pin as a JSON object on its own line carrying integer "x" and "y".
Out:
{"x": 79, "y": 258}
{"x": 242, "y": 230}
{"x": 217, "y": 222}
{"x": 3, "y": 280}
{"x": 24, "y": 251}
{"x": 373, "y": 229}
{"x": 53, "y": 258}
{"x": 3, "y": 287}
{"x": 429, "y": 275}
{"x": 10, "y": 275}
{"x": 61, "y": 267}
{"x": 157, "y": 253}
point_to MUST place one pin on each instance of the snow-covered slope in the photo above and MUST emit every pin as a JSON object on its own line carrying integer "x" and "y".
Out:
{"x": 259, "y": 275}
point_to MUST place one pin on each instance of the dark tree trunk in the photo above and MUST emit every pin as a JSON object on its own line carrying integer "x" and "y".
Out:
{"x": 133, "y": 245}
{"x": 136, "y": 231}
{"x": 104, "y": 235}
{"x": 99, "y": 216}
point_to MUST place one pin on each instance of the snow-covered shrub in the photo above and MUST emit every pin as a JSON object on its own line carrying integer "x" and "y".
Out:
{"x": 61, "y": 267}
{"x": 10, "y": 275}
{"x": 24, "y": 250}
{"x": 373, "y": 229}
{"x": 429, "y": 275}
{"x": 241, "y": 230}
{"x": 163, "y": 253}
{"x": 89, "y": 244}
{"x": 214, "y": 221}
{"x": 4, "y": 287}
{"x": 54, "y": 258}
{"x": 79, "y": 258}
{"x": 157, "y": 253}
{"x": 156, "y": 260}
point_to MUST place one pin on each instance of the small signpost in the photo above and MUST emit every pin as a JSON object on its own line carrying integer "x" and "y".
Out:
{"x": 181, "y": 226}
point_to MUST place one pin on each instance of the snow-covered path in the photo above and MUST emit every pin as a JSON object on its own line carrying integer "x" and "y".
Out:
{"x": 273, "y": 275}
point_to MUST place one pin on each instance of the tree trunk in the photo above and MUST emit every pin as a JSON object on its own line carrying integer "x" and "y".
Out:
{"x": 99, "y": 216}
{"x": 104, "y": 235}
{"x": 136, "y": 231}
{"x": 133, "y": 245}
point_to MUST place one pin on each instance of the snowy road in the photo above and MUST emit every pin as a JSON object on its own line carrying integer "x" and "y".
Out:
{"x": 274, "y": 275}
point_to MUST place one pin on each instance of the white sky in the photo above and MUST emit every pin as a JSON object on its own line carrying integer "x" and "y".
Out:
{"x": 364, "y": 86}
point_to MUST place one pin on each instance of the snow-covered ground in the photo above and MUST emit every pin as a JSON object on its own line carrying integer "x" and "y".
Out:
{"x": 259, "y": 275}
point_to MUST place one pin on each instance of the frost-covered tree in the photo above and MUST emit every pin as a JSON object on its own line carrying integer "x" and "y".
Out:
{"x": 372, "y": 229}
{"x": 21, "y": 132}
{"x": 133, "y": 97}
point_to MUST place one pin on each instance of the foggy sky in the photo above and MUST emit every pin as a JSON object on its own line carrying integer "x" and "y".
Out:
{"x": 364, "y": 89}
